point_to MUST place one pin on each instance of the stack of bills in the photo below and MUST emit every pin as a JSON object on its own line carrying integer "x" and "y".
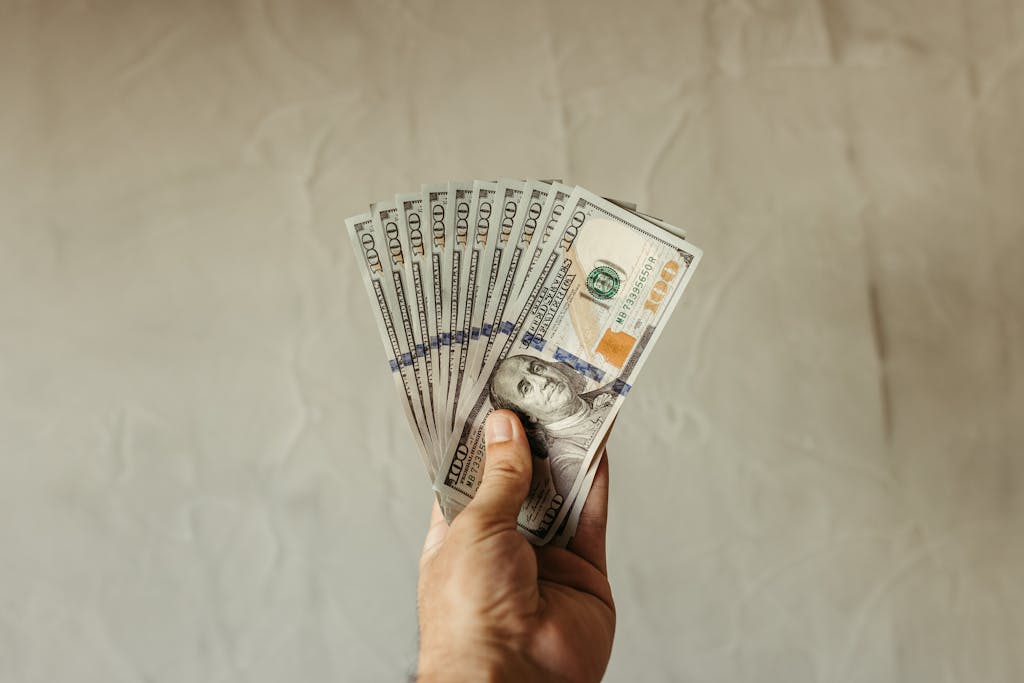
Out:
{"x": 533, "y": 296}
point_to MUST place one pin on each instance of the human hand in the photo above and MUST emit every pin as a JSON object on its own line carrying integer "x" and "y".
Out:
{"x": 492, "y": 607}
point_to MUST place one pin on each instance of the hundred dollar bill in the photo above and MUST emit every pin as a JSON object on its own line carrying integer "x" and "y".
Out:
{"x": 435, "y": 210}
{"x": 567, "y": 530}
{"x": 536, "y": 202}
{"x": 419, "y": 276}
{"x": 484, "y": 229}
{"x": 385, "y": 222}
{"x": 540, "y": 248}
{"x": 520, "y": 229}
{"x": 552, "y": 212}
{"x": 474, "y": 286}
{"x": 500, "y": 224}
{"x": 370, "y": 250}
{"x": 590, "y": 316}
{"x": 456, "y": 255}
{"x": 506, "y": 206}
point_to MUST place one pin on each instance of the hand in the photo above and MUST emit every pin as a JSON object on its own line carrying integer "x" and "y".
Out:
{"x": 492, "y": 607}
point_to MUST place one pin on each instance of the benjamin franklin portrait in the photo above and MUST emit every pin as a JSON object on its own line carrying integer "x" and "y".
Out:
{"x": 561, "y": 419}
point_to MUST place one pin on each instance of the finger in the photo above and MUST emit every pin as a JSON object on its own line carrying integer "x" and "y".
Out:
{"x": 507, "y": 469}
{"x": 589, "y": 541}
{"x": 436, "y": 533}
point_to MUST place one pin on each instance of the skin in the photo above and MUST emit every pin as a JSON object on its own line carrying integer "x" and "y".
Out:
{"x": 493, "y": 607}
{"x": 539, "y": 390}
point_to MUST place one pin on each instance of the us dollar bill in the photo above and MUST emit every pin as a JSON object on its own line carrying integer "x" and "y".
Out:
{"x": 385, "y": 217}
{"x": 482, "y": 226}
{"x": 484, "y": 229}
{"x": 435, "y": 211}
{"x": 419, "y": 276}
{"x": 590, "y": 313}
{"x": 518, "y": 238}
{"x": 540, "y": 248}
{"x": 370, "y": 249}
{"x": 567, "y": 529}
{"x": 551, "y": 213}
{"x": 522, "y": 226}
{"x": 456, "y": 253}
{"x": 500, "y": 226}
{"x": 506, "y": 204}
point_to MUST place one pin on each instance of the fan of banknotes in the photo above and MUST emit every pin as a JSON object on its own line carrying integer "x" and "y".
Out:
{"x": 534, "y": 296}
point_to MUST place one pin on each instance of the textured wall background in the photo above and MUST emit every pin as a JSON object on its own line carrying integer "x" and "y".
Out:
{"x": 204, "y": 475}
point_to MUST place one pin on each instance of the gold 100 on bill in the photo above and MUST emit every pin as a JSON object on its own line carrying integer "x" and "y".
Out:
{"x": 551, "y": 305}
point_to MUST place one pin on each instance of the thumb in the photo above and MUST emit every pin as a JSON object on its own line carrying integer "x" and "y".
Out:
{"x": 507, "y": 469}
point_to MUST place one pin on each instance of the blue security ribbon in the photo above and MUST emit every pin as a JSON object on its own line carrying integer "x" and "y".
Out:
{"x": 581, "y": 366}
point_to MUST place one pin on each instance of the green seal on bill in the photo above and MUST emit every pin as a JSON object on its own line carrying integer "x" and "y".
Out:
{"x": 603, "y": 282}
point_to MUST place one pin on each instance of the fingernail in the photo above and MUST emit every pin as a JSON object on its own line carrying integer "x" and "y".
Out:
{"x": 499, "y": 428}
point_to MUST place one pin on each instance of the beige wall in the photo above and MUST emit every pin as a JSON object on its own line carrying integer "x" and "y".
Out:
{"x": 204, "y": 474}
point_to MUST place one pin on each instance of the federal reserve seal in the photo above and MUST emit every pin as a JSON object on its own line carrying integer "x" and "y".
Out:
{"x": 603, "y": 282}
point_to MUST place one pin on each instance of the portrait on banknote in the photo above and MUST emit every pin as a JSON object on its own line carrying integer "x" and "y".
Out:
{"x": 561, "y": 417}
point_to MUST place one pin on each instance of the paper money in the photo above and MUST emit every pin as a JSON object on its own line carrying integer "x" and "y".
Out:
{"x": 551, "y": 213}
{"x": 435, "y": 209}
{"x": 370, "y": 248}
{"x": 483, "y": 226}
{"x": 501, "y": 228}
{"x": 413, "y": 340}
{"x": 567, "y": 531}
{"x": 464, "y": 257}
{"x": 572, "y": 352}
{"x": 504, "y": 256}
{"x": 420, "y": 279}
{"x": 525, "y": 295}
